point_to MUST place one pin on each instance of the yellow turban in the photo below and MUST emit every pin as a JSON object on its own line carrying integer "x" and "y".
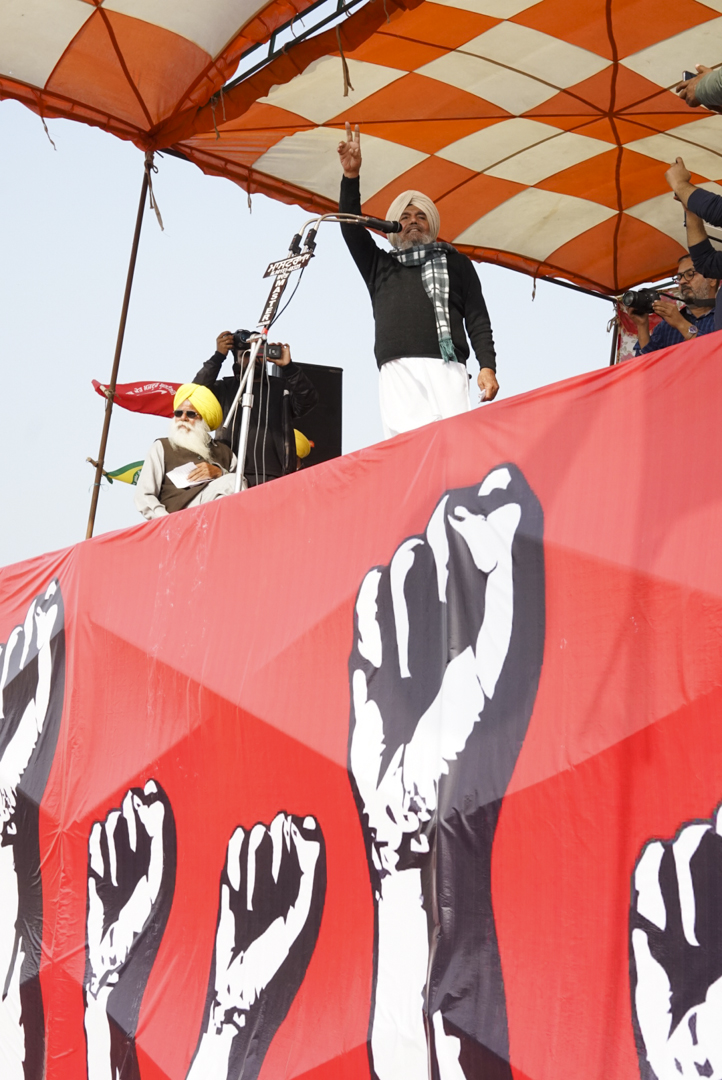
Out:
{"x": 423, "y": 202}
{"x": 303, "y": 445}
{"x": 203, "y": 400}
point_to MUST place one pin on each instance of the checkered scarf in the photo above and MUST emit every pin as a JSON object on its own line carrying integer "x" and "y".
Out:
{"x": 435, "y": 276}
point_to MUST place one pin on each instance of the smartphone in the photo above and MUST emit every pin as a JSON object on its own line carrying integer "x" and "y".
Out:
{"x": 687, "y": 75}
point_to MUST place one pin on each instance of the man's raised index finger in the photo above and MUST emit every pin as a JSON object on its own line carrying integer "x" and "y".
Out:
{"x": 349, "y": 136}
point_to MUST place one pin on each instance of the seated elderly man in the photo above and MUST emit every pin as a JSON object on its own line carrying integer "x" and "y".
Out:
{"x": 187, "y": 468}
{"x": 680, "y": 324}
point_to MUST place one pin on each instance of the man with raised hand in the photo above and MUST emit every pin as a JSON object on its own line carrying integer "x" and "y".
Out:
{"x": 700, "y": 206}
{"x": 424, "y": 293}
{"x": 187, "y": 468}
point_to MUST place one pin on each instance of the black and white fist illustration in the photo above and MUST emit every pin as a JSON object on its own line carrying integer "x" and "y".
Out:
{"x": 444, "y": 671}
{"x": 131, "y": 879}
{"x": 272, "y": 895}
{"x": 32, "y": 687}
{"x": 676, "y": 954}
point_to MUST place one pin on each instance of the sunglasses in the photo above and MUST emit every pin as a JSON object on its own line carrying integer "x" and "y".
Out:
{"x": 189, "y": 414}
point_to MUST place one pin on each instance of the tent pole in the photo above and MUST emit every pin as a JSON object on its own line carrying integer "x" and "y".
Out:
{"x": 615, "y": 335}
{"x": 615, "y": 339}
{"x": 578, "y": 288}
{"x": 110, "y": 392}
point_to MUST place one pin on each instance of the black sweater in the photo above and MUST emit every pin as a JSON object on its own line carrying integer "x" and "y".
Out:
{"x": 404, "y": 314}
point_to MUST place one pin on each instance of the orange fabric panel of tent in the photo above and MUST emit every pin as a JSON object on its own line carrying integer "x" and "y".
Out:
{"x": 102, "y": 63}
{"x": 541, "y": 127}
{"x": 543, "y": 136}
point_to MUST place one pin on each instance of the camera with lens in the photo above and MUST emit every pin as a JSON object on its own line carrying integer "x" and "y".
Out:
{"x": 641, "y": 300}
{"x": 241, "y": 339}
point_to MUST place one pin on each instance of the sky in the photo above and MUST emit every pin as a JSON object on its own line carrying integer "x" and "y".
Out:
{"x": 67, "y": 215}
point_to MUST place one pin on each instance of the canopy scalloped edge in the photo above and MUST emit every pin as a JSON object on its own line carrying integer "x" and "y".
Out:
{"x": 51, "y": 105}
{"x": 258, "y": 183}
{"x": 239, "y": 99}
{"x": 192, "y": 124}
{"x": 193, "y": 143}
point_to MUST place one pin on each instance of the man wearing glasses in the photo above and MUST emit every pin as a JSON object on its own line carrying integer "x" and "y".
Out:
{"x": 187, "y": 468}
{"x": 679, "y": 324}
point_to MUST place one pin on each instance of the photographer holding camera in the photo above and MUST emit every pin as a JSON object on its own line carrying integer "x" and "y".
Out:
{"x": 679, "y": 324}
{"x": 277, "y": 402}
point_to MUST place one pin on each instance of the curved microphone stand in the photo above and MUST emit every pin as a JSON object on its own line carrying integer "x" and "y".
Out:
{"x": 297, "y": 259}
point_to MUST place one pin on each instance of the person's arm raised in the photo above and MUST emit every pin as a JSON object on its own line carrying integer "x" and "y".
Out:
{"x": 349, "y": 152}
{"x": 358, "y": 240}
{"x": 679, "y": 179}
{"x": 707, "y": 260}
{"x": 696, "y": 232}
{"x": 703, "y": 89}
{"x": 208, "y": 374}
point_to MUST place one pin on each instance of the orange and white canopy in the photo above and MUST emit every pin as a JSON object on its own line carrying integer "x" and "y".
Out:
{"x": 542, "y": 128}
{"x": 139, "y": 68}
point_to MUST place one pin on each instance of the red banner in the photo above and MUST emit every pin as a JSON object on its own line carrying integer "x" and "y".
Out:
{"x": 147, "y": 397}
{"x": 406, "y": 766}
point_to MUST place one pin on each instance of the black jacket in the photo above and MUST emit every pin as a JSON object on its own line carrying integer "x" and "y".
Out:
{"x": 404, "y": 315}
{"x": 281, "y": 400}
{"x": 706, "y": 259}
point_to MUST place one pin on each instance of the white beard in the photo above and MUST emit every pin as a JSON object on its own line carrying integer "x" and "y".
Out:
{"x": 413, "y": 241}
{"x": 197, "y": 439}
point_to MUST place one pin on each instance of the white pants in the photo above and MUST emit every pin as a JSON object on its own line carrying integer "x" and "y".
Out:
{"x": 416, "y": 390}
{"x": 223, "y": 485}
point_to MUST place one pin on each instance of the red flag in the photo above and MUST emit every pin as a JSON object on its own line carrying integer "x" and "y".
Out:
{"x": 146, "y": 397}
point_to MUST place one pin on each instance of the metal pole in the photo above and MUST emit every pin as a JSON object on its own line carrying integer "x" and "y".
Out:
{"x": 578, "y": 288}
{"x": 228, "y": 422}
{"x": 246, "y": 406}
{"x": 615, "y": 338}
{"x": 110, "y": 392}
{"x": 282, "y": 272}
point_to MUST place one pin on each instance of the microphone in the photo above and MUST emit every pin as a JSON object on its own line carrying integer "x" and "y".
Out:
{"x": 377, "y": 223}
